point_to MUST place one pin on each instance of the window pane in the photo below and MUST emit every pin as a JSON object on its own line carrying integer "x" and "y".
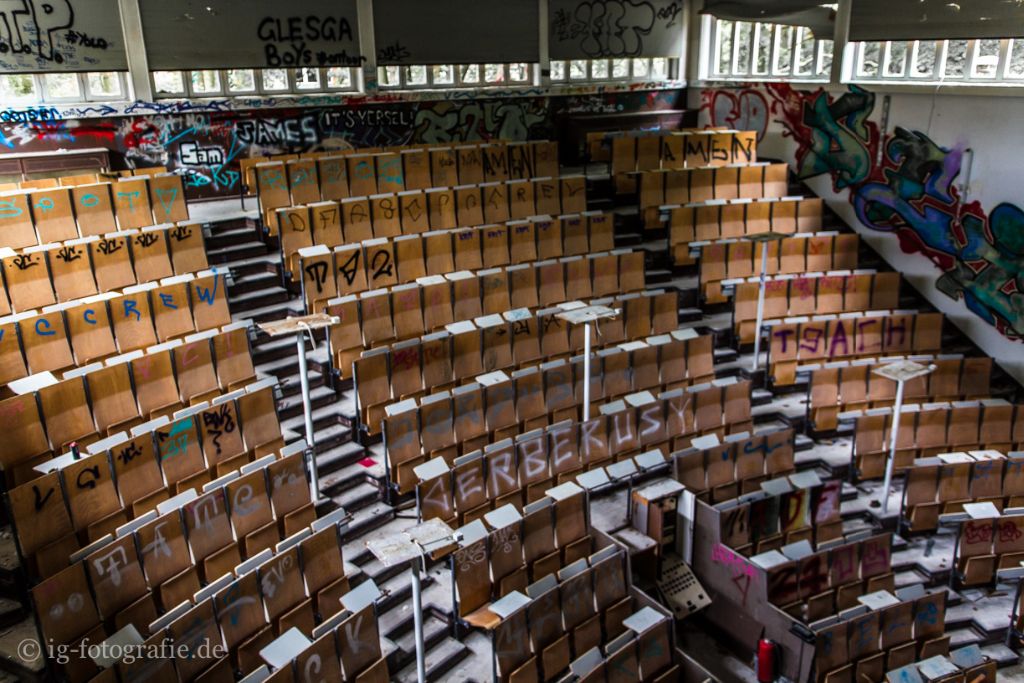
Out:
{"x": 956, "y": 58}
{"x": 764, "y": 46}
{"x": 805, "y": 51}
{"x": 62, "y": 86}
{"x": 274, "y": 79}
{"x": 783, "y": 49}
{"x": 897, "y": 58}
{"x": 339, "y": 77}
{"x": 307, "y": 79}
{"x": 519, "y": 72}
{"x": 469, "y": 73}
{"x": 416, "y": 75}
{"x": 17, "y": 87}
{"x": 724, "y": 46}
{"x": 742, "y": 63}
{"x": 577, "y": 69}
{"x": 168, "y": 82}
{"x": 986, "y": 59}
{"x": 924, "y": 62}
{"x": 241, "y": 80}
{"x": 641, "y": 67}
{"x": 205, "y": 81}
{"x": 558, "y": 71}
{"x": 659, "y": 69}
{"x": 825, "y": 58}
{"x": 443, "y": 74}
{"x": 620, "y": 68}
{"x": 599, "y": 68}
{"x": 104, "y": 84}
{"x": 389, "y": 76}
{"x": 870, "y": 57}
{"x": 494, "y": 73}
{"x": 1016, "y": 59}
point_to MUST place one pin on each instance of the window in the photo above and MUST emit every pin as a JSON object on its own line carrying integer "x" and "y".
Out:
{"x": 18, "y": 87}
{"x": 94, "y": 86}
{"x": 978, "y": 62}
{"x": 460, "y": 75}
{"x": 744, "y": 50}
{"x": 618, "y": 69}
{"x": 241, "y": 80}
{"x": 210, "y": 82}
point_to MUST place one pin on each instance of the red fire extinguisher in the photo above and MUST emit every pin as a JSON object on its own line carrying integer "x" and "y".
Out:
{"x": 767, "y": 664}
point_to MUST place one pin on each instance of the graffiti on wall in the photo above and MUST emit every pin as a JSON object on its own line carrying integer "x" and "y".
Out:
{"x": 205, "y": 146}
{"x": 905, "y": 185}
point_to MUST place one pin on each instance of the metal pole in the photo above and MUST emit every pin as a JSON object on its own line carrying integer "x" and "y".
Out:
{"x": 586, "y": 371}
{"x": 760, "y": 307}
{"x": 417, "y": 619}
{"x": 307, "y": 413}
{"x": 891, "y": 463}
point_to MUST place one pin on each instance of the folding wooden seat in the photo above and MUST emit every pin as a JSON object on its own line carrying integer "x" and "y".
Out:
{"x": 406, "y": 311}
{"x": 170, "y": 303}
{"x": 384, "y": 210}
{"x": 16, "y": 224}
{"x": 521, "y": 199}
{"x": 494, "y": 243}
{"x": 375, "y": 315}
{"x": 470, "y": 165}
{"x": 92, "y": 498}
{"x": 332, "y": 172}
{"x": 412, "y": 205}
{"x": 52, "y": 214}
{"x": 302, "y": 181}
{"x": 623, "y": 154}
{"x": 362, "y": 179}
{"x": 187, "y": 248}
{"x": 131, "y": 202}
{"x": 494, "y": 197}
{"x": 150, "y": 254}
{"x": 167, "y": 198}
{"x": 257, "y": 411}
{"x": 325, "y": 222}
{"x": 441, "y": 208}
{"x": 289, "y": 491}
{"x": 221, "y": 434}
{"x": 415, "y": 168}
{"x": 390, "y": 174}
{"x": 468, "y": 205}
{"x": 209, "y": 300}
{"x": 495, "y": 161}
{"x": 64, "y": 605}
{"x": 153, "y": 377}
{"x": 186, "y": 628}
{"x": 111, "y": 261}
{"x": 323, "y": 568}
{"x": 133, "y": 318}
{"x": 437, "y": 301}
{"x": 42, "y": 523}
{"x": 140, "y": 483}
{"x": 357, "y": 222}
{"x": 115, "y": 573}
{"x": 271, "y": 186}
{"x": 66, "y": 412}
{"x": 44, "y": 339}
{"x": 12, "y": 362}
{"x": 71, "y": 269}
{"x": 27, "y": 274}
{"x": 232, "y": 356}
{"x": 409, "y": 258}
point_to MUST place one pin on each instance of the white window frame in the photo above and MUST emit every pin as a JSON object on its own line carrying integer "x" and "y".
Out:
{"x": 939, "y": 74}
{"x": 85, "y": 92}
{"x": 224, "y": 91}
{"x": 632, "y": 77}
{"x": 712, "y": 35}
{"x": 458, "y": 82}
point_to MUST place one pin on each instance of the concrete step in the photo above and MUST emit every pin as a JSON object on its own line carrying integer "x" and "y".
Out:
{"x": 357, "y": 497}
{"x": 439, "y": 660}
{"x": 246, "y": 283}
{"x": 250, "y": 301}
{"x": 340, "y": 457}
{"x": 236, "y": 252}
{"x": 231, "y": 235}
{"x": 319, "y": 397}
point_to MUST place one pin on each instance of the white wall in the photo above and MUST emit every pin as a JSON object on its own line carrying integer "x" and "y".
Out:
{"x": 990, "y": 127}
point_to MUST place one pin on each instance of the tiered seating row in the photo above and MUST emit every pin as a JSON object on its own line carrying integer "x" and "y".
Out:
{"x": 36, "y": 217}
{"x": 943, "y": 484}
{"x": 701, "y": 184}
{"x": 719, "y": 219}
{"x": 852, "y": 385}
{"x": 405, "y": 311}
{"x": 75, "y": 333}
{"x": 505, "y": 342}
{"x": 44, "y": 275}
{"x": 317, "y": 177}
{"x": 801, "y": 340}
{"x": 386, "y": 261}
{"x": 453, "y": 423}
{"x": 815, "y": 294}
{"x": 931, "y": 429}
{"x": 730, "y": 259}
{"x": 128, "y": 474}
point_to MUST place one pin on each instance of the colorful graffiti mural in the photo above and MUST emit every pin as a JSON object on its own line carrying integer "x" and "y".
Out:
{"x": 909, "y": 189}
{"x": 204, "y": 146}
